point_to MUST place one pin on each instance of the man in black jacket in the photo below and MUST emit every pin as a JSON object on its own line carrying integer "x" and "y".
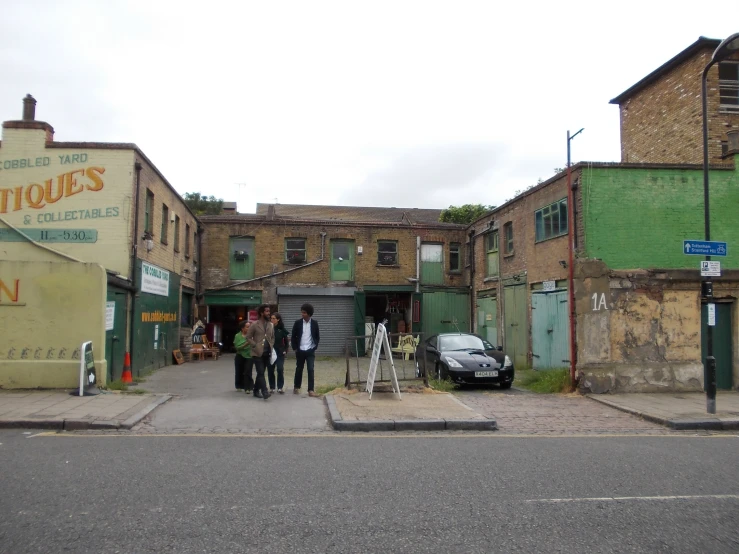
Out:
{"x": 304, "y": 340}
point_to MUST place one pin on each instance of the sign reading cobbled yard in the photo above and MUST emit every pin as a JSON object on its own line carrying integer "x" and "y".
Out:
{"x": 154, "y": 280}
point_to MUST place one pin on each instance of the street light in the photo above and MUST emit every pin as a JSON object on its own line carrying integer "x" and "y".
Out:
{"x": 571, "y": 253}
{"x": 727, "y": 47}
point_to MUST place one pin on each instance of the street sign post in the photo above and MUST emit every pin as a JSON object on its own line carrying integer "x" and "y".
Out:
{"x": 704, "y": 248}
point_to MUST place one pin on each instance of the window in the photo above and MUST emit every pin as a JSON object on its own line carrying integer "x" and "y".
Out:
{"x": 187, "y": 241}
{"x": 241, "y": 258}
{"x": 295, "y": 251}
{"x": 455, "y": 256}
{"x": 149, "y": 213}
{"x": 176, "y": 233}
{"x": 551, "y": 221}
{"x": 728, "y": 85}
{"x": 387, "y": 252}
{"x": 508, "y": 234}
{"x": 165, "y": 224}
{"x": 491, "y": 254}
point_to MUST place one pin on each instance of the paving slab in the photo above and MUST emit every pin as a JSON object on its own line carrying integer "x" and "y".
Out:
{"x": 59, "y": 410}
{"x": 683, "y": 410}
{"x": 415, "y": 411}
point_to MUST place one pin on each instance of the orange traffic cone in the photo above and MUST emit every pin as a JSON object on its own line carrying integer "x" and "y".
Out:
{"x": 126, "y": 377}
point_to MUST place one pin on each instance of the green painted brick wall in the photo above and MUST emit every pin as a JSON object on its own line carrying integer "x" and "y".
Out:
{"x": 638, "y": 218}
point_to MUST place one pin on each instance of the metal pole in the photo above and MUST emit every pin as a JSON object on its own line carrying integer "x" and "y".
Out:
{"x": 570, "y": 263}
{"x": 706, "y": 284}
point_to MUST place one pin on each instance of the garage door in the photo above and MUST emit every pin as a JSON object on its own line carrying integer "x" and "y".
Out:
{"x": 334, "y": 314}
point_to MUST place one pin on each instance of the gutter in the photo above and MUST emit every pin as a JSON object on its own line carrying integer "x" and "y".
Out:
{"x": 134, "y": 254}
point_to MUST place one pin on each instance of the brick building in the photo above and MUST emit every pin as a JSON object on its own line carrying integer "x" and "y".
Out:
{"x": 357, "y": 266}
{"x": 95, "y": 244}
{"x": 661, "y": 115}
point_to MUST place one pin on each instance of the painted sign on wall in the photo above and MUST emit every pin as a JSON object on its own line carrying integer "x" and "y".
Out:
{"x": 10, "y": 292}
{"x": 154, "y": 280}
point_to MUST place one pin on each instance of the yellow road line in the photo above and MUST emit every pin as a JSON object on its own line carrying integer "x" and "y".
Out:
{"x": 360, "y": 435}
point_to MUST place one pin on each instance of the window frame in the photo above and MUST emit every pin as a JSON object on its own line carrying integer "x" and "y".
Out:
{"x": 176, "y": 233}
{"x": 187, "y": 240}
{"x": 508, "y": 238}
{"x": 292, "y": 254}
{"x": 455, "y": 250}
{"x": 492, "y": 251}
{"x": 384, "y": 256}
{"x": 728, "y": 88}
{"x": 149, "y": 213}
{"x": 544, "y": 218}
{"x": 164, "y": 232}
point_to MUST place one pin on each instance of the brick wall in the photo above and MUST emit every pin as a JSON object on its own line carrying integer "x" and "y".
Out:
{"x": 639, "y": 217}
{"x": 662, "y": 123}
{"x": 164, "y": 255}
{"x": 269, "y": 242}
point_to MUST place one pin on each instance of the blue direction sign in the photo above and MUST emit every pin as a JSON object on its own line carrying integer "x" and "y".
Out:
{"x": 704, "y": 248}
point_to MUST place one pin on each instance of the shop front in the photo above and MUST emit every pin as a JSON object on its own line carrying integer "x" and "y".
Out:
{"x": 225, "y": 309}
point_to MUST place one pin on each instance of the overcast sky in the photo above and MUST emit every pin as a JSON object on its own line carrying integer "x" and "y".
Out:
{"x": 406, "y": 104}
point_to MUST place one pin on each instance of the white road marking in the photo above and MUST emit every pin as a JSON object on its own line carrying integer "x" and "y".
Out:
{"x": 642, "y": 498}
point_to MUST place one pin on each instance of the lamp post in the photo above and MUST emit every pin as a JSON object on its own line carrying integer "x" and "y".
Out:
{"x": 571, "y": 253}
{"x": 727, "y": 47}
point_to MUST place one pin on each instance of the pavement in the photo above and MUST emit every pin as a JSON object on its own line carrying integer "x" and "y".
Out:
{"x": 682, "y": 411}
{"x": 54, "y": 409}
{"x": 413, "y": 411}
{"x": 199, "y": 397}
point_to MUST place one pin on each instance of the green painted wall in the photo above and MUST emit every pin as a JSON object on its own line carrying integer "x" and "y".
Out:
{"x": 638, "y": 218}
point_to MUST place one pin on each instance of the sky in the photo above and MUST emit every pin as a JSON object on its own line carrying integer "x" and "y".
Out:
{"x": 400, "y": 104}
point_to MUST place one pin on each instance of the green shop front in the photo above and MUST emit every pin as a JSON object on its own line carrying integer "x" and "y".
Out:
{"x": 156, "y": 324}
{"x": 225, "y": 309}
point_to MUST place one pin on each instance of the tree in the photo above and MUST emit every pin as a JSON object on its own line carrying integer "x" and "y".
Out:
{"x": 203, "y": 205}
{"x": 464, "y": 214}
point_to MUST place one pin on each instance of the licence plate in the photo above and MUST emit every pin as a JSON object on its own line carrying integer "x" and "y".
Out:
{"x": 486, "y": 373}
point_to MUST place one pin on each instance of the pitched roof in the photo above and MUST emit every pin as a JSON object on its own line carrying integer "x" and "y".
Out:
{"x": 407, "y": 216}
{"x": 701, "y": 44}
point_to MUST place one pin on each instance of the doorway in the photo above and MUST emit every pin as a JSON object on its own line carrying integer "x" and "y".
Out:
{"x": 722, "y": 344}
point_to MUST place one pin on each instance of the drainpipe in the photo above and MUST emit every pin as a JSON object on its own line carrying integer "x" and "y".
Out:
{"x": 472, "y": 279}
{"x": 418, "y": 264}
{"x": 570, "y": 264}
{"x": 134, "y": 254}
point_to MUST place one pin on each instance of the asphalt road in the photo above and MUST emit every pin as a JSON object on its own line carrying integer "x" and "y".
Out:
{"x": 364, "y": 493}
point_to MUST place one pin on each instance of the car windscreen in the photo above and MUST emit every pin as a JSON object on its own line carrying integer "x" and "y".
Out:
{"x": 460, "y": 342}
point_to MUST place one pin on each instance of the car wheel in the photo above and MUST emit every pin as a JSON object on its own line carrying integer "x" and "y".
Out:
{"x": 506, "y": 386}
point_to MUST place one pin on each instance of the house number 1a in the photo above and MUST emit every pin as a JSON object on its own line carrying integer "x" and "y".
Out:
{"x": 599, "y": 301}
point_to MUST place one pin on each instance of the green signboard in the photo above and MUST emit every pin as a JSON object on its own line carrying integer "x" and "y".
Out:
{"x": 49, "y": 235}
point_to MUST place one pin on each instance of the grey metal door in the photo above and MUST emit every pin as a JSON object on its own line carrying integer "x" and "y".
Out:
{"x": 334, "y": 314}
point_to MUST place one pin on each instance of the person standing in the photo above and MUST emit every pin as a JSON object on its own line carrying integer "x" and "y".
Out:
{"x": 243, "y": 362}
{"x": 281, "y": 345}
{"x": 261, "y": 337}
{"x": 304, "y": 340}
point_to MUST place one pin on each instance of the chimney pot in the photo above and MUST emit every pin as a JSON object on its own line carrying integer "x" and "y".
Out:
{"x": 29, "y": 108}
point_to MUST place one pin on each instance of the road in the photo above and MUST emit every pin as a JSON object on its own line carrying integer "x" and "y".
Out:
{"x": 365, "y": 493}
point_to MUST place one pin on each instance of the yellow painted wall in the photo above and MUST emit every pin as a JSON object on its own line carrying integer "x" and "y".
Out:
{"x": 74, "y": 200}
{"x": 47, "y": 310}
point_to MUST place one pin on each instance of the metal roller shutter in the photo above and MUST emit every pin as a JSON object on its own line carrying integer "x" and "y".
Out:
{"x": 334, "y": 314}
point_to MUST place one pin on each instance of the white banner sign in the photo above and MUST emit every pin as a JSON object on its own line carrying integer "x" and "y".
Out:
{"x": 381, "y": 343}
{"x": 154, "y": 280}
{"x": 710, "y": 269}
{"x": 109, "y": 315}
{"x": 712, "y": 315}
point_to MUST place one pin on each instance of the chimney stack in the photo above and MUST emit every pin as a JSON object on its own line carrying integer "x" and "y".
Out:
{"x": 29, "y": 108}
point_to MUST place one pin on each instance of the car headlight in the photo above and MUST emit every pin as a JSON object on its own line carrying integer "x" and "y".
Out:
{"x": 507, "y": 362}
{"x": 451, "y": 362}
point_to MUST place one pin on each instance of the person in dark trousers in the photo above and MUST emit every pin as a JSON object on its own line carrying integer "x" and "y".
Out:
{"x": 243, "y": 362}
{"x": 281, "y": 345}
{"x": 261, "y": 337}
{"x": 304, "y": 340}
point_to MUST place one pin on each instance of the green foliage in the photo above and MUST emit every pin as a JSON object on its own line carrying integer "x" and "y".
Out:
{"x": 442, "y": 385}
{"x": 116, "y": 385}
{"x": 548, "y": 381}
{"x": 203, "y": 205}
{"x": 464, "y": 214}
{"x": 325, "y": 389}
